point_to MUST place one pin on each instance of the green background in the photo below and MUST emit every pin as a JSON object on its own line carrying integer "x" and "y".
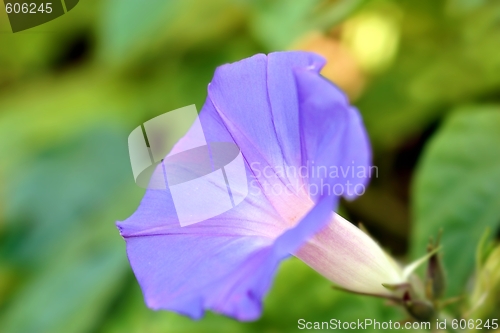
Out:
{"x": 425, "y": 75}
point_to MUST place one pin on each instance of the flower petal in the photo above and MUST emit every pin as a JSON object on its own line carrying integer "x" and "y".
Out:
{"x": 206, "y": 266}
{"x": 343, "y": 143}
{"x": 279, "y": 112}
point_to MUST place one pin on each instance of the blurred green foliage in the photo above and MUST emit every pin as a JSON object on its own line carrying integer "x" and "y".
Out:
{"x": 456, "y": 188}
{"x": 71, "y": 90}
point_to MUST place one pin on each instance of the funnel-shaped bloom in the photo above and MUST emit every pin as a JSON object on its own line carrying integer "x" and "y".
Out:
{"x": 303, "y": 147}
{"x": 351, "y": 259}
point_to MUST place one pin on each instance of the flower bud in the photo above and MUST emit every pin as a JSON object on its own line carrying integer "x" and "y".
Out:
{"x": 421, "y": 310}
{"x": 484, "y": 300}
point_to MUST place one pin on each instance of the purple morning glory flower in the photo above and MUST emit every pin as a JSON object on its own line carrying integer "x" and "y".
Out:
{"x": 283, "y": 115}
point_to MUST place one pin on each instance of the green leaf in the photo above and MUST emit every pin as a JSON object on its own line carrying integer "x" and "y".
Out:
{"x": 49, "y": 195}
{"x": 457, "y": 188}
{"x": 60, "y": 241}
{"x": 70, "y": 294}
